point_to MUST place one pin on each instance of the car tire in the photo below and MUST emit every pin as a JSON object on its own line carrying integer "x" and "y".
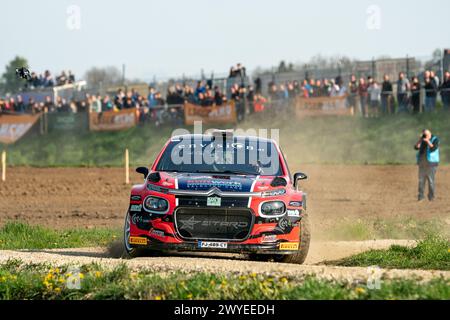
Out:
{"x": 129, "y": 251}
{"x": 297, "y": 258}
{"x": 305, "y": 239}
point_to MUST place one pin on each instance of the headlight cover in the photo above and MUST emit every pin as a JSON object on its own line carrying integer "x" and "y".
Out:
{"x": 272, "y": 209}
{"x": 156, "y": 205}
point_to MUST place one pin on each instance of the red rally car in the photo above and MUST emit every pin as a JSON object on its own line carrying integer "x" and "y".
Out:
{"x": 222, "y": 193}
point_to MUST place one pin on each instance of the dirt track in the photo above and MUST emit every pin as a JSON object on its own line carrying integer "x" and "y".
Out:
{"x": 69, "y": 197}
{"x": 234, "y": 264}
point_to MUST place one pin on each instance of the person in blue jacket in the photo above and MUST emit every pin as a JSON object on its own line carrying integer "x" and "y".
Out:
{"x": 428, "y": 160}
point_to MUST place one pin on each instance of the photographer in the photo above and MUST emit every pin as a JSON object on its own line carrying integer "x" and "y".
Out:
{"x": 428, "y": 160}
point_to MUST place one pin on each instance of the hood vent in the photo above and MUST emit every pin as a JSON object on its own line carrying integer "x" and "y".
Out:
{"x": 154, "y": 177}
{"x": 278, "y": 182}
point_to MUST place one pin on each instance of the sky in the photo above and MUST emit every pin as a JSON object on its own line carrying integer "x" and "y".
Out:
{"x": 170, "y": 38}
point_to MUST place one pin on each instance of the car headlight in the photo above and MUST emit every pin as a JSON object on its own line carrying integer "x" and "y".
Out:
{"x": 273, "y": 208}
{"x": 155, "y": 204}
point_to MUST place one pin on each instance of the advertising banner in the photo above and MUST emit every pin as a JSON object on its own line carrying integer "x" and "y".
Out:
{"x": 210, "y": 115}
{"x": 67, "y": 121}
{"x": 112, "y": 120}
{"x": 13, "y": 127}
{"x": 322, "y": 106}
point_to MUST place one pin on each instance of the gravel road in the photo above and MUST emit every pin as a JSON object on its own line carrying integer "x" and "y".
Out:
{"x": 235, "y": 264}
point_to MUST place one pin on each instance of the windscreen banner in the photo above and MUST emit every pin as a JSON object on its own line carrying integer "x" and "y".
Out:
{"x": 13, "y": 127}
{"x": 210, "y": 115}
{"x": 322, "y": 106}
{"x": 113, "y": 120}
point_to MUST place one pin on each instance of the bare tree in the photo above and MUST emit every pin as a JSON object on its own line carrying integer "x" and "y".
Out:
{"x": 105, "y": 76}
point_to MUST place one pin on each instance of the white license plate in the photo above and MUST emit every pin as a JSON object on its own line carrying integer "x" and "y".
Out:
{"x": 213, "y": 245}
{"x": 213, "y": 202}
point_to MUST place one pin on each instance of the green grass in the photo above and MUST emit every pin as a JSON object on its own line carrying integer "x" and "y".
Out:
{"x": 385, "y": 228}
{"x": 431, "y": 253}
{"x": 346, "y": 140}
{"x": 21, "y": 281}
{"x": 17, "y": 235}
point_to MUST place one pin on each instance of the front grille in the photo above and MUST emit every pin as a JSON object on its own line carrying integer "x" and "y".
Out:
{"x": 213, "y": 223}
{"x": 199, "y": 201}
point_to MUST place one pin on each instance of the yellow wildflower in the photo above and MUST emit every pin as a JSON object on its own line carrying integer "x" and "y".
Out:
{"x": 133, "y": 275}
{"x": 189, "y": 296}
{"x": 98, "y": 274}
{"x": 360, "y": 290}
{"x": 158, "y": 298}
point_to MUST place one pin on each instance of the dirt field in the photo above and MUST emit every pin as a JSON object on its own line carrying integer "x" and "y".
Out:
{"x": 82, "y": 197}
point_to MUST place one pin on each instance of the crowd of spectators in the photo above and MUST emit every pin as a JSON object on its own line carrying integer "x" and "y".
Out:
{"x": 374, "y": 98}
{"x": 307, "y": 89}
{"x": 363, "y": 94}
{"x": 46, "y": 80}
{"x": 369, "y": 96}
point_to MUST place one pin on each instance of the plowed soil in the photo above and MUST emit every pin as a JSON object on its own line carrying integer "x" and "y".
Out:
{"x": 88, "y": 197}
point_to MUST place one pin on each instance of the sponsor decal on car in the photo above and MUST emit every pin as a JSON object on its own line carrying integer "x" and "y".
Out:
{"x": 295, "y": 203}
{"x": 191, "y": 223}
{"x": 293, "y": 213}
{"x": 157, "y": 233}
{"x": 137, "y": 219}
{"x": 209, "y": 183}
{"x": 138, "y": 240}
{"x": 136, "y": 207}
{"x": 289, "y": 246}
{"x": 269, "y": 238}
{"x": 135, "y": 198}
{"x": 167, "y": 184}
{"x": 284, "y": 224}
{"x": 212, "y": 245}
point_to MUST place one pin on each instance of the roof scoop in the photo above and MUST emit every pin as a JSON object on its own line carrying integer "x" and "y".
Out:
{"x": 223, "y": 134}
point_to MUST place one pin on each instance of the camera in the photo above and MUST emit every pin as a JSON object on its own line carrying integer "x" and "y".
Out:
{"x": 23, "y": 73}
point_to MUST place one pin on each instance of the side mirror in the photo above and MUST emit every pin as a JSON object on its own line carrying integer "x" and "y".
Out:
{"x": 299, "y": 176}
{"x": 143, "y": 170}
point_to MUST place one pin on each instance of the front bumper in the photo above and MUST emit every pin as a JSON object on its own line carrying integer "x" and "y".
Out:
{"x": 232, "y": 228}
{"x": 269, "y": 248}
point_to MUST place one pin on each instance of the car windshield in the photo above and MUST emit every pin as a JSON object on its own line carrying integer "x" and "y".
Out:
{"x": 204, "y": 154}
